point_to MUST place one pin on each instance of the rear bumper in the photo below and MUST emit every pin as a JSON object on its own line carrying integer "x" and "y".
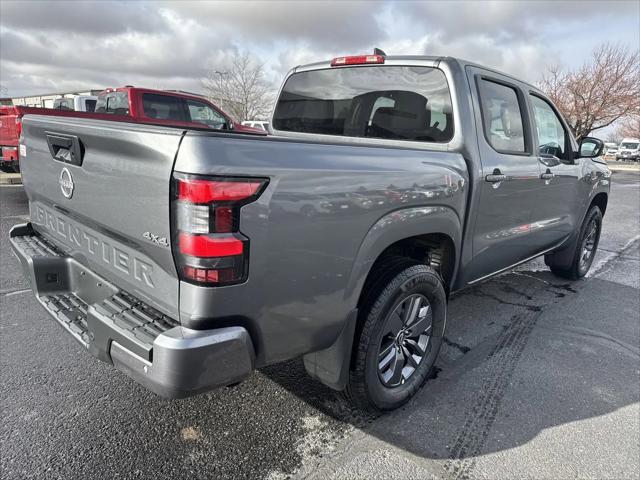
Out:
{"x": 114, "y": 326}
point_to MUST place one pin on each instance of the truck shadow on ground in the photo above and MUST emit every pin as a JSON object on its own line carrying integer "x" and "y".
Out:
{"x": 524, "y": 352}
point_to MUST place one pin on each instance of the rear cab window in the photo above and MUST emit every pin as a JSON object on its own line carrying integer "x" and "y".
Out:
{"x": 388, "y": 102}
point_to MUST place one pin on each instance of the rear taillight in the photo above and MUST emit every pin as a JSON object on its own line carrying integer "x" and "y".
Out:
{"x": 18, "y": 126}
{"x": 208, "y": 245}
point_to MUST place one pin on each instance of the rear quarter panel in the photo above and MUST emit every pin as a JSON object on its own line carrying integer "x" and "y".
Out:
{"x": 326, "y": 214}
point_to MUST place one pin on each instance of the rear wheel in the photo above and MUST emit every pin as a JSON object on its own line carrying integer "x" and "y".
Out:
{"x": 585, "y": 249}
{"x": 403, "y": 321}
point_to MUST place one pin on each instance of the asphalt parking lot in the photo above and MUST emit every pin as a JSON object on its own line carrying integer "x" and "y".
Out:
{"x": 539, "y": 378}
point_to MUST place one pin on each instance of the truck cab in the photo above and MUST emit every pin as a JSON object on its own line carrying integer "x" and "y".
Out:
{"x": 164, "y": 107}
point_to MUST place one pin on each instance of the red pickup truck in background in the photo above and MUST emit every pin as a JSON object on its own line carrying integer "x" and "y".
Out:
{"x": 166, "y": 107}
{"x": 10, "y": 128}
{"x": 125, "y": 104}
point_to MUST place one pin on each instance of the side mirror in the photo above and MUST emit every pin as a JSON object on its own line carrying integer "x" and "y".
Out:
{"x": 591, "y": 147}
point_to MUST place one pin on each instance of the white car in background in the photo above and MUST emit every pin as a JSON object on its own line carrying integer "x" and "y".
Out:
{"x": 261, "y": 124}
{"x": 610, "y": 150}
{"x": 78, "y": 103}
{"x": 629, "y": 149}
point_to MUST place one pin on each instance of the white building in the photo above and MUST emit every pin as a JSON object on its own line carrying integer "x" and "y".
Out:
{"x": 46, "y": 99}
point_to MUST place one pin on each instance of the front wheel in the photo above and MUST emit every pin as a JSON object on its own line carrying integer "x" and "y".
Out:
{"x": 585, "y": 249}
{"x": 403, "y": 322}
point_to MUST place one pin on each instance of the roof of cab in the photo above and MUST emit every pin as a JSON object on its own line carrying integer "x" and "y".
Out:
{"x": 415, "y": 59}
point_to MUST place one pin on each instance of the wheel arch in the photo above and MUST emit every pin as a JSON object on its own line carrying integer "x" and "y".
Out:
{"x": 434, "y": 249}
{"x": 600, "y": 200}
{"x": 429, "y": 235}
{"x": 563, "y": 256}
{"x": 418, "y": 234}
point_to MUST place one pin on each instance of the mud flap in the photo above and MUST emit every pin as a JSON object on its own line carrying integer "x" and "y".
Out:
{"x": 331, "y": 365}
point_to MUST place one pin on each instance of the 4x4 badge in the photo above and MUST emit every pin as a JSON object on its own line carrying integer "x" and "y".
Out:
{"x": 162, "y": 241}
{"x": 66, "y": 182}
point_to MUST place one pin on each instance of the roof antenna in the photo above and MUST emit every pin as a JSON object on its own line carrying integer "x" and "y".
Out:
{"x": 378, "y": 51}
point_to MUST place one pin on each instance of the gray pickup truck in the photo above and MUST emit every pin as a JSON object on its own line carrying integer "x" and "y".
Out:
{"x": 188, "y": 258}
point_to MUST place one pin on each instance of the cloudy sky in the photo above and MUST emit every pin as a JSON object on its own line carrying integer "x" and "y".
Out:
{"x": 55, "y": 46}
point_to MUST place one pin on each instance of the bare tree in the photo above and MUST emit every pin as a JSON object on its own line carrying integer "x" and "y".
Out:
{"x": 629, "y": 128}
{"x": 240, "y": 89}
{"x": 601, "y": 92}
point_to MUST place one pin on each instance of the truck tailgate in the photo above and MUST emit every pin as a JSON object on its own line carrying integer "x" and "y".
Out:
{"x": 100, "y": 193}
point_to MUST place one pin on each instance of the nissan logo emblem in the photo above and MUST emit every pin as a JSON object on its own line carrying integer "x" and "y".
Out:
{"x": 66, "y": 182}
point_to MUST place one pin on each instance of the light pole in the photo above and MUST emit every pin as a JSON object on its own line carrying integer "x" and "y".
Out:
{"x": 220, "y": 74}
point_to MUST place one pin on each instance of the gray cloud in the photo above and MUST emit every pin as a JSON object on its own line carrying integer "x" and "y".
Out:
{"x": 324, "y": 23}
{"x": 510, "y": 20}
{"x": 95, "y": 18}
{"x": 171, "y": 44}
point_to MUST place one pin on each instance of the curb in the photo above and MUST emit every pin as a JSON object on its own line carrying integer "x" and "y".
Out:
{"x": 624, "y": 168}
{"x": 10, "y": 179}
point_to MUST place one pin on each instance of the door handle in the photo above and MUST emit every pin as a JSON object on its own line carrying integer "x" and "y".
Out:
{"x": 65, "y": 148}
{"x": 547, "y": 176}
{"x": 495, "y": 177}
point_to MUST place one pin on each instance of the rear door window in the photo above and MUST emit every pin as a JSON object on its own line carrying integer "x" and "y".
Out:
{"x": 163, "y": 107}
{"x": 391, "y": 102}
{"x": 502, "y": 117}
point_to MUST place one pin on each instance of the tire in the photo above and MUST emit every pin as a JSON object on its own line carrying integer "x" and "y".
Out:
{"x": 585, "y": 249}
{"x": 389, "y": 330}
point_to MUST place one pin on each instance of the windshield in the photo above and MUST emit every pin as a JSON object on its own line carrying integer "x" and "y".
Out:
{"x": 629, "y": 145}
{"x": 392, "y": 102}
